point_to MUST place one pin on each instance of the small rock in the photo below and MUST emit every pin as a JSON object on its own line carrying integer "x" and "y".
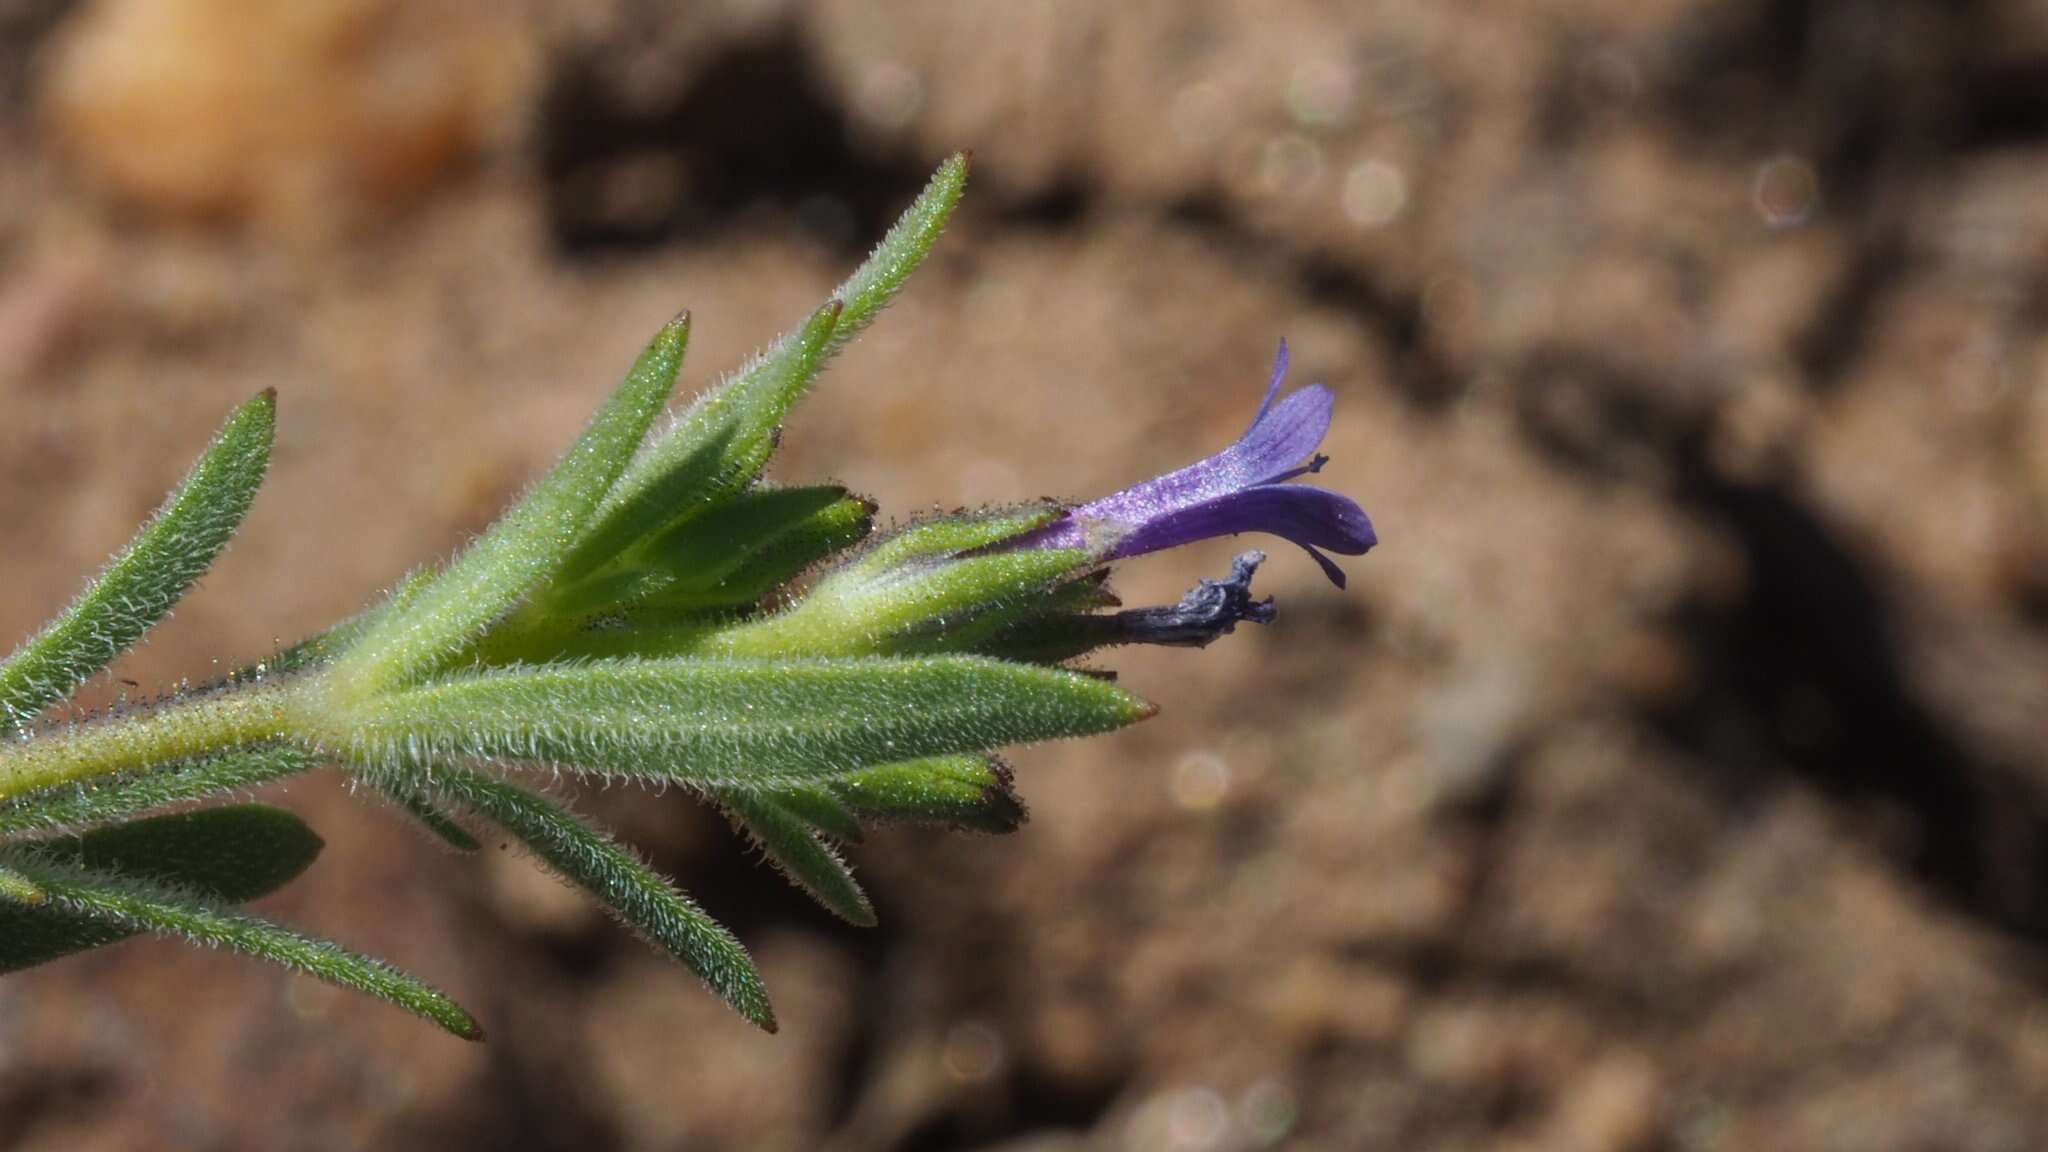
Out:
{"x": 300, "y": 114}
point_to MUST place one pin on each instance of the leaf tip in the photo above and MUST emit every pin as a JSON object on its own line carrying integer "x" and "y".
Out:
{"x": 752, "y": 1004}
{"x": 673, "y": 338}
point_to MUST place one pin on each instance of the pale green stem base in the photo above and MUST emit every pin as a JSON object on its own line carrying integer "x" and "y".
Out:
{"x": 179, "y": 730}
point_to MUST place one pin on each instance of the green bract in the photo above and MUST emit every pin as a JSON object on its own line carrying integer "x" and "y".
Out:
{"x": 651, "y": 609}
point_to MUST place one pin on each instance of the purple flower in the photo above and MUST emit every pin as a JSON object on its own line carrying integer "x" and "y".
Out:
{"x": 1240, "y": 489}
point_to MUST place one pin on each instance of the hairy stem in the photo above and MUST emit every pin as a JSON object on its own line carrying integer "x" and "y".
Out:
{"x": 179, "y": 729}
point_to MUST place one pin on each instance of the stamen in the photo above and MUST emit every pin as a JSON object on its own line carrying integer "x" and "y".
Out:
{"x": 1315, "y": 464}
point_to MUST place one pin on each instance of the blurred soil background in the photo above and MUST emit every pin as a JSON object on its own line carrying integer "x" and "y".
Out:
{"x": 1671, "y": 778}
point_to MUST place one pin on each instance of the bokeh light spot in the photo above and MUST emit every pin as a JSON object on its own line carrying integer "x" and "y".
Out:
{"x": 1375, "y": 192}
{"x": 1786, "y": 191}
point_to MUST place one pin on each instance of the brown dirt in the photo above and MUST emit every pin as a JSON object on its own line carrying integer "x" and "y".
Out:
{"x": 1670, "y": 778}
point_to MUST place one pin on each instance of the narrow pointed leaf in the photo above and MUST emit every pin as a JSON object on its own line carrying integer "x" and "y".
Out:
{"x": 710, "y": 442}
{"x": 112, "y": 798}
{"x": 138, "y": 587}
{"x": 922, "y": 542}
{"x": 701, "y": 550}
{"x": 789, "y": 842}
{"x": 1000, "y": 628}
{"x": 727, "y": 557}
{"x": 775, "y": 532}
{"x": 818, "y": 806}
{"x": 902, "y": 250}
{"x": 229, "y": 855}
{"x": 640, "y": 897}
{"x": 527, "y": 544}
{"x": 922, "y": 588}
{"x": 129, "y": 904}
{"x": 647, "y": 612}
{"x": 640, "y": 632}
{"x": 444, "y": 827}
{"x": 731, "y": 723}
{"x": 714, "y": 449}
{"x": 781, "y": 561}
{"x": 934, "y": 613}
{"x": 971, "y": 792}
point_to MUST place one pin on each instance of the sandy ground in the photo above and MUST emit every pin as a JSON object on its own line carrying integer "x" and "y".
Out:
{"x": 1670, "y": 778}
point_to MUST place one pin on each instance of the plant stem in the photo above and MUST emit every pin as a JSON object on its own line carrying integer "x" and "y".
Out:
{"x": 179, "y": 729}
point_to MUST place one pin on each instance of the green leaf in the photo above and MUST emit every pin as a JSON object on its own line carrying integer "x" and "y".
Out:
{"x": 727, "y": 557}
{"x": 789, "y": 842}
{"x": 444, "y": 827}
{"x": 723, "y": 440}
{"x": 780, "y": 561}
{"x": 130, "y": 904}
{"x": 816, "y": 805}
{"x": 111, "y": 798}
{"x": 713, "y": 449}
{"x": 640, "y": 897}
{"x": 1040, "y": 628}
{"x": 643, "y": 631}
{"x": 526, "y": 546}
{"x": 908, "y": 242}
{"x": 700, "y": 556}
{"x": 919, "y": 589}
{"x": 971, "y": 792}
{"x": 230, "y": 854}
{"x": 730, "y": 723}
{"x": 138, "y": 587}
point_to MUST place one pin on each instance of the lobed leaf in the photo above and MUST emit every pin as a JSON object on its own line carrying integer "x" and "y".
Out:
{"x": 138, "y": 586}
{"x": 730, "y": 723}
{"x": 527, "y": 545}
{"x": 639, "y": 896}
{"x": 793, "y": 847}
{"x": 130, "y": 905}
{"x": 230, "y": 854}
